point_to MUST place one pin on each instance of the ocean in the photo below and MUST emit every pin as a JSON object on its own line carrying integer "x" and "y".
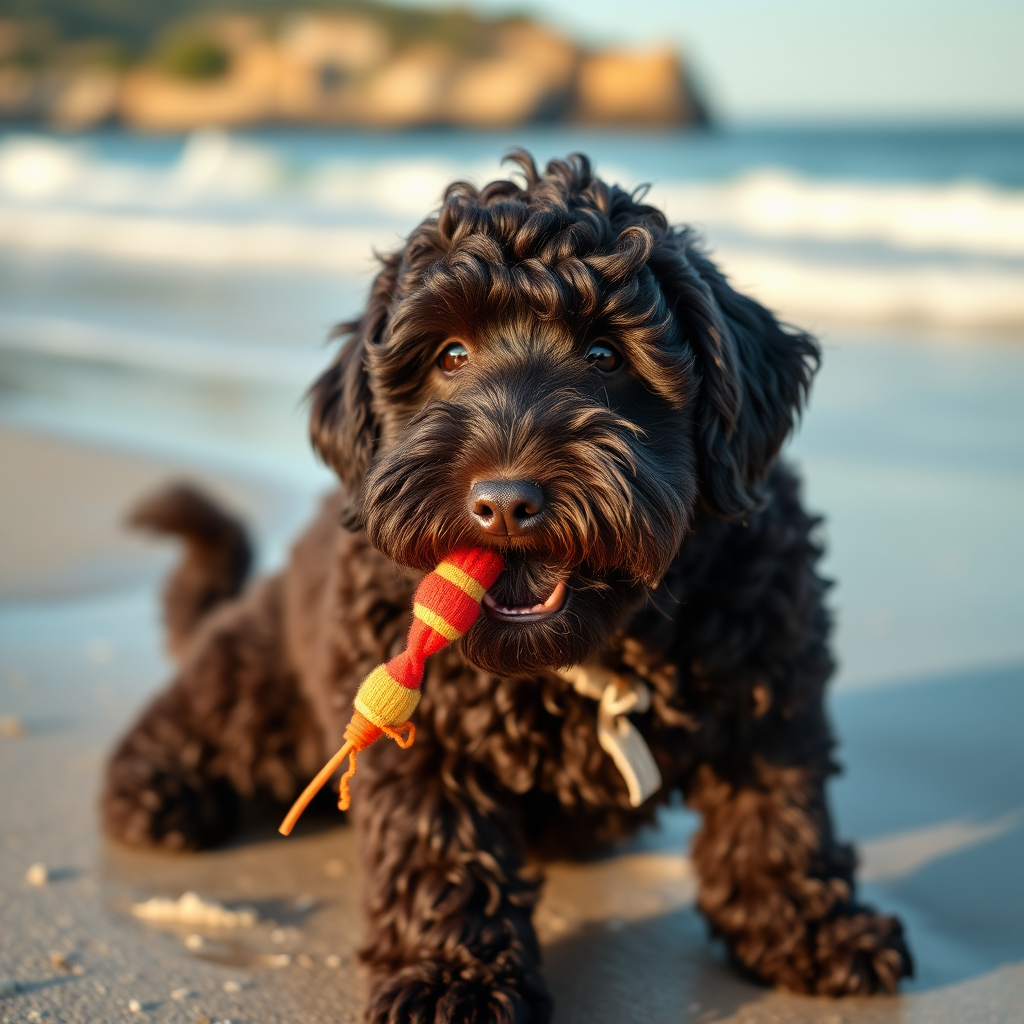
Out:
{"x": 172, "y": 296}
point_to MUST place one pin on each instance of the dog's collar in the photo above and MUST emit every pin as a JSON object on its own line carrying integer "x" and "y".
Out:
{"x": 618, "y": 696}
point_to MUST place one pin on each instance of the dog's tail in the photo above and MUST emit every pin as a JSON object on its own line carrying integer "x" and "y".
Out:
{"x": 216, "y": 561}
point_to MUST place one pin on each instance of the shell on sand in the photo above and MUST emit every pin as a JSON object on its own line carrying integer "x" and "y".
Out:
{"x": 191, "y": 908}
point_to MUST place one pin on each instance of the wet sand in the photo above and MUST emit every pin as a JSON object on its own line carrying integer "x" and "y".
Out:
{"x": 62, "y": 512}
{"x": 932, "y": 794}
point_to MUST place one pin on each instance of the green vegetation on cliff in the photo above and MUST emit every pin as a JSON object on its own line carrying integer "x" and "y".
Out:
{"x": 179, "y": 64}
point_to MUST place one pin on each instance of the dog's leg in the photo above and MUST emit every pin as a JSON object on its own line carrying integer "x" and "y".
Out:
{"x": 778, "y": 887}
{"x": 775, "y": 882}
{"x": 450, "y": 936}
{"x": 232, "y": 722}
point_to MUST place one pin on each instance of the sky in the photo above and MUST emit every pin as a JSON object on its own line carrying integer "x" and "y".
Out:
{"x": 820, "y": 60}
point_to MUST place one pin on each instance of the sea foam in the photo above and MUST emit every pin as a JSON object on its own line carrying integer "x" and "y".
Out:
{"x": 957, "y": 249}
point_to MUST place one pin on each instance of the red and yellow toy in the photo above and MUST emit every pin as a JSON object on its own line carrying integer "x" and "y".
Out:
{"x": 446, "y": 604}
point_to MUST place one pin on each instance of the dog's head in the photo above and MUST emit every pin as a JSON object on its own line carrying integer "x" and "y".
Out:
{"x": 551, "y": 369}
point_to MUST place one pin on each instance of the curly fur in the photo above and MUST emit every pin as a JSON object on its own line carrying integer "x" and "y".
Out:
{"x": 689, "y": 561}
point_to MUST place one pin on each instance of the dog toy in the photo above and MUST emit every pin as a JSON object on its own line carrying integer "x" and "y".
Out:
{"x": 446, "y": 604}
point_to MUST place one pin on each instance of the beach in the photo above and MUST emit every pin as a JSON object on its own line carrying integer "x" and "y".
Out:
{"x": 939, "y": 821}
{"x": 121, "y": 370}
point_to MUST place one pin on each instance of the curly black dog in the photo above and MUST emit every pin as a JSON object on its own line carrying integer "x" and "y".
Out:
{"x": 549, "y": 367}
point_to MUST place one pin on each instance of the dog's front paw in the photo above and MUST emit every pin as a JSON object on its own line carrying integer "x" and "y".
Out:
{"x": 147, "y": 802}
{"x": 853, "y": 952}
{"x": 860, "y": 953}
{"x": 433, "y": 992}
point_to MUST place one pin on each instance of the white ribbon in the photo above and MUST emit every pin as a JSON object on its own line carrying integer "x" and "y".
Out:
{"x": 619, "y": 696}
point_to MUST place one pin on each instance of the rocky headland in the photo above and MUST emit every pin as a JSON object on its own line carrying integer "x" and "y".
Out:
{"x": 358, "y": 65}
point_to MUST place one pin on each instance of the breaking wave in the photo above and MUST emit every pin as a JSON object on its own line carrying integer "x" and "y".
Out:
{"x": 955, "y": 250}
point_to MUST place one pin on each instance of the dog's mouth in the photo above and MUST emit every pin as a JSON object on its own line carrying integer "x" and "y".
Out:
{"x": 501, "y": 608}
{"x": 541, "y": 613}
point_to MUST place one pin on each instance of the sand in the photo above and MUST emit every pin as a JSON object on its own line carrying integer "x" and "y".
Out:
{"x": 932, "y": 794}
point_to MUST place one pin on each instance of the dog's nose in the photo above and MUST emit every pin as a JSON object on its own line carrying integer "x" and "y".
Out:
{"x": 506, "y": 508}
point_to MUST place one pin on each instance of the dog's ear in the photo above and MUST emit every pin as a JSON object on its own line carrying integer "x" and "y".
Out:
{"x": 342, "y": 423}
{"x": 755, "y": 375}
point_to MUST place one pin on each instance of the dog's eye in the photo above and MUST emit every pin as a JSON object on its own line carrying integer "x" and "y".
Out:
{"x": 603, "y": 357}
{"x": 453, "y": 358}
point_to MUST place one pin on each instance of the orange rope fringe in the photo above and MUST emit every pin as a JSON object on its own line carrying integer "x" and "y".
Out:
{"x": 404, "y": 737}
{"x": 358, "y": 735}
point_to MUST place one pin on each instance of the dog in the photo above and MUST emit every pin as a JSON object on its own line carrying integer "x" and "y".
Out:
{"x": 549, "y": 368}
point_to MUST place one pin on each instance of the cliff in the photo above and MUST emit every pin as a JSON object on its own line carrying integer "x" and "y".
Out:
{"x": 343, "y": 65}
